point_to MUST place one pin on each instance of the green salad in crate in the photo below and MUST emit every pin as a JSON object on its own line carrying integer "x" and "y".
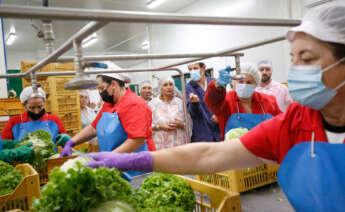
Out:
{"x": 42, "y": 144}
{"x": 9, "y": 178}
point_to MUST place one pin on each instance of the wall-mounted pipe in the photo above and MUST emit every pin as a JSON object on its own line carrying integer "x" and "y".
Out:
{"x": 227, "y": 51}
{"x": 144, "y": 56}
{"x": 12, "y": 11}
{"x": 220, "y": 53}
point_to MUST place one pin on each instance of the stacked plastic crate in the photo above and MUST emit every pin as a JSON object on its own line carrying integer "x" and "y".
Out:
{"x": 60, "y": 102}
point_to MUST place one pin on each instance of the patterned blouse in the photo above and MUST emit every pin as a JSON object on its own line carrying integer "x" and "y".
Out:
{"x": 162, "y": 114}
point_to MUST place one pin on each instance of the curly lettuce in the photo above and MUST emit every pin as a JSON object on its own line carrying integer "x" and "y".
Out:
{"x": 9, "y": 178}
{"x": 165, "y": 192}
{"x": 79, "y": 188}
{"x": 42, "y": 144}
{"x": 235, "y": 133}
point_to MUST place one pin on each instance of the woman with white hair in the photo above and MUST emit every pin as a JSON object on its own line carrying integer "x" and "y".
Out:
{"x": 167, "y": 116}
{"x": 34, "y": 118}
{"x": 87, "y": 114}
{"x": 308, "y": 140}
{"x": 243, "y": 106}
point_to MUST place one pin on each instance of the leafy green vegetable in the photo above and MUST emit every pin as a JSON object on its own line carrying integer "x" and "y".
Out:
{"x": 235, "y": 133}
{"x": 113, "y": 206}
{"x": 165, "y": 192}
{"x": 42, "y": 144}
{"x": 80, "y": 188}
{"x": 9, "y": 178}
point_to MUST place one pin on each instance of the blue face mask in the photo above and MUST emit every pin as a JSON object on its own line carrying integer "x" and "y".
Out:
{"x": 307, "y": 88}
{"x": 195, "y": 75}
{"x": 245, "y": 90}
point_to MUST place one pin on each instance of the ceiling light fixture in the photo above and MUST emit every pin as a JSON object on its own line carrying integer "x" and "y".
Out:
{"x": 11, "y": 37}
{"x": 145, "y": 45}
{"x": 154, "y": 3}
{"x": 90, "y": 40}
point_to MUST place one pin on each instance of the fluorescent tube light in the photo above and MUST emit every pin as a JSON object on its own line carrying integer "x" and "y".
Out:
{"x": 89, "y": 40}
{"x": 155, "y": 3}
{"x": 145, "y": 45}
{"x": 11, "y": 38}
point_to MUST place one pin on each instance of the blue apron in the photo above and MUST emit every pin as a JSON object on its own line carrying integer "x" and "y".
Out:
{"x": 245, "y": 120}
{"x": 21, "y": 129}
{"x": 110, "y": 134}
{"x": 0, "y": 143}
{"x": 312, "y": 175}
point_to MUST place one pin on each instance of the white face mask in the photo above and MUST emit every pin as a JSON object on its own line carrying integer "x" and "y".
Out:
{"x": 245, "y": 90}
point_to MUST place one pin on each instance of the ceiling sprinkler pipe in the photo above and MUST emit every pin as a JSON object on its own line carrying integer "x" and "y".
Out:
{"x": 81, "y": 80}
{"x": 49, "y": 36}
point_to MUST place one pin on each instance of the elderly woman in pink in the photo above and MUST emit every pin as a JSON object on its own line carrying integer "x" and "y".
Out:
{"x": 168, "y": 123}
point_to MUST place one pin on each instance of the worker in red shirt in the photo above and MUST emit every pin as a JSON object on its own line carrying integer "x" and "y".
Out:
{"x": 241, "y": 107}
{"x": 307, "y": 140}
{"x": 34, "y": 118}
{"x": 124, "y": 123}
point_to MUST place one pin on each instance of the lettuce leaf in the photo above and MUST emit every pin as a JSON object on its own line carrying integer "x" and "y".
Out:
{"x": 9, "y": 178}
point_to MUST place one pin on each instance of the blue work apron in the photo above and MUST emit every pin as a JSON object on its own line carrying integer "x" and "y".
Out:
{"x": 0, "y": 143}
{"x": 312, "y": 175}
{"x": 246, "y": 120}
{"x": 110, "y": 135}
{"x": 21, "y": 129}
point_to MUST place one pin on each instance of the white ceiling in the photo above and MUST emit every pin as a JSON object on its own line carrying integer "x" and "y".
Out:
{"x": 112, "y": 34}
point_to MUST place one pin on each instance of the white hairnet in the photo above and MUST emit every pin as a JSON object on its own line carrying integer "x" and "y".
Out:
{"x": 84, "y": 92}
{"x": 27, "y": 92}
{"x": 164, "y": 80}
{"x": 265, "y": 63}
{"x": 120, "y": 76}
{"x": 143, "y": 83}
{"x": 325, "y": 22}
{"x": 251, "y": 69}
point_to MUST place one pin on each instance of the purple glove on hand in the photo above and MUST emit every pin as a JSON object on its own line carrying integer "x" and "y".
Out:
{"x": 141, "y": 161}
{"x": 67, "y": 149}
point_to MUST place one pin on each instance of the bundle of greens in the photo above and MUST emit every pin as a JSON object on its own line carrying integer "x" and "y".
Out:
{"x": 164, "y": 192}
{"x": 42, "y": 144}
{"x": 235, "y": 133}
{"x": 74, "y": 187}
{"x": 9, "y": 178}
{"x": 113, "y": 206}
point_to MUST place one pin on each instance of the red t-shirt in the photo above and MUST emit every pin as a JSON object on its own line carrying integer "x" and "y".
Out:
{"x": 135, "y": 117}
{"x": 7, "y": 133}
{"x": 223, "y": 104}
{"x": 272, "y": 139}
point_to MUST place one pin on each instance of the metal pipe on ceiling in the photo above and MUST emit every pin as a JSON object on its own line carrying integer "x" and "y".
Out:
{"x": 217, "y": 54}
{"x": 227, "y": 51}
{"x": 11, "y": 11}
{"x": 144, "y": 56}
{"x": 87, "y": 30}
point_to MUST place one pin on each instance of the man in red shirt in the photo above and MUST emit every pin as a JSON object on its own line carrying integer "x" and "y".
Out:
{"x": 124, "y": 123}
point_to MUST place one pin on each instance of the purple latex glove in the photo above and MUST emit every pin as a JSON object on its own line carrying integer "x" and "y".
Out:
{"x": 67, "y": 149}
{"x": 141, "y": 161}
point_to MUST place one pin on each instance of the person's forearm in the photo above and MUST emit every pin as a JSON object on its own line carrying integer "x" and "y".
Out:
{"x": 214, "y": 98}
{"x": 198, "y": 158}
{"x": 130, "y": 145}
{"x": 84, "y": 135}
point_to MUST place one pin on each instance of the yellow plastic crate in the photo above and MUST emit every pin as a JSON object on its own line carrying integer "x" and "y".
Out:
{"x": 212, "y": 198}
{"x": 10, "y": 107}
{"x": 71, "y": 120}
{"x": 273, "y": 171}
{"x": 21, "y": 197}
{"x": 241, "y": 180}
